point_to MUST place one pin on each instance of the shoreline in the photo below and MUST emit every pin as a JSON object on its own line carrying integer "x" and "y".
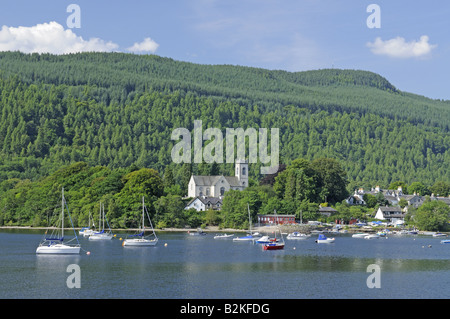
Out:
{"x": 211, "y": 229}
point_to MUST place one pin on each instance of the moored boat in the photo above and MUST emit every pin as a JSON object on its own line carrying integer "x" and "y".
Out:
{"x": 223, "y": 236}
{"x": 140, "y": 240}
{"x": 359, "y": 235}
{"x": 54, "y": 243}
{"x": 322, "y": 239}
{"x": 297, "y": 235}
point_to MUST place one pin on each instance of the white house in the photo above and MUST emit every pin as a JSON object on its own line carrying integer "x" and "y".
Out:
{"x": 393, "y": 214}
{"x": 216, "y": 186}
{"x": 202, "y": 203}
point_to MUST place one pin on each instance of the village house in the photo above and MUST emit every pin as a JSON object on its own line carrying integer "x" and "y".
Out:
{"x": 203, "y": 203}
{"x": 327, "y": 211}
{"x": 393, "y": 215}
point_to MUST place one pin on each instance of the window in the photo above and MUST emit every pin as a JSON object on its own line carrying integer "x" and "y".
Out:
{"x": 207, "y": 191}
{"x": 222, "y": 191}
{"x": 243, "y": 170}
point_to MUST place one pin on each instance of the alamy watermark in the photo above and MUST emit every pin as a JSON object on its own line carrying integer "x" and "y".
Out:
{"x": 213, "y": 152}
{"x": 74, "y": 279}
{"x": 374, "y": 279}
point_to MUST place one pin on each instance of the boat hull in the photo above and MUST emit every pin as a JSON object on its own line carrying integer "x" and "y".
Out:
{"x": 100, "y": 237}
{"x": 273, "y": 246}
{"x": 58, "y": 249}
{"x": 298, "y": 236}
{"x": 223, "y": 236}
{"x": 325, "y": 241}
{"x": 139, "y": 242}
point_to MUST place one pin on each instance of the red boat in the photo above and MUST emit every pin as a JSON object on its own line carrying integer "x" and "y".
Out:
{"x": 273, "y": 246}
{"x": 274, "y": 243}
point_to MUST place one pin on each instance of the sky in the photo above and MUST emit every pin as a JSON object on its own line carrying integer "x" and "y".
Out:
{"x": 407, "y": 42}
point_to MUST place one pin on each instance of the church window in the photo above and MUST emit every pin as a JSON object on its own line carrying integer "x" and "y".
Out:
{"x": 243, "y": 170}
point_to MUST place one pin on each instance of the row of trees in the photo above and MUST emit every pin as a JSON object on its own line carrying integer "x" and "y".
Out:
{"x": 296, "y": 190}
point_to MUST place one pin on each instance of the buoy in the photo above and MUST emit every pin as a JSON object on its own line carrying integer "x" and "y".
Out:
{"x": 165, "y": 245}
{"x": 88, "y": 253}
{"x": 120, "y": 238}
{"x": 293, "y": 248}
{"x": 114, "y": 235}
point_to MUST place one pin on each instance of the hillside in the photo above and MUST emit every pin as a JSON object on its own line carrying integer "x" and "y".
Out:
{"x": 118, "y": 110}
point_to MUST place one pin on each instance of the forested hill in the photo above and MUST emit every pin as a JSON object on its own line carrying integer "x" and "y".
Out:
{"x": 117, "y": 110}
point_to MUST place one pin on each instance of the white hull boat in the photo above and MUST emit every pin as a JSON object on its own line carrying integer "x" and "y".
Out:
{"x": 324, "y": 240}
{"x": 439, "y": 235}
{"x": 224, "y": 236}
{"x": 263, "y": 240}
{"x": 140, "y": 242}
{"x": 85, "y": 232}
{"x": 297, "y": 235}
{"x": 245, "y": 238}
{"x": 54, "y": 244}
{"x": 60, "y": 249}
{"x": 372, "y": 236}
{"x": 359, "y": 235}
{"x": 252, "y": 236}
{"x": 101, "y": 236}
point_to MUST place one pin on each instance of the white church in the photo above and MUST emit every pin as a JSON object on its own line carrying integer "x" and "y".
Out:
{"x": 207, "y": 191}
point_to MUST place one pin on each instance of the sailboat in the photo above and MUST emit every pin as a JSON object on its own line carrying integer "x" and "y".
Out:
{"x": 251, "y": 235}
{"x": 275, "y": 244}
{"x": 54, "y": 244}
{"x": 102, "y": 235}
{"x": 140, "y": 239}
{"x": 87, "y": 231}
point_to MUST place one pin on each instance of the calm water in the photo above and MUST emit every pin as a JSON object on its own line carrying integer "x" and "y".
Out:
{"x": 204, "y": 268}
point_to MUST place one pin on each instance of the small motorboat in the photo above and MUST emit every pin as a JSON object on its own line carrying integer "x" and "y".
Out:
{"x": 297, "y": 235}
{"x": 359, "y": 235}
{"x": 439, "y": 235}
{"x": 199, "y": 232}
{"x": 223, "y": 236}
{"x": 263, "y": 240}
{"x": 246, "y": 238}
{"x": 445, "y": 241}
{"x": 322, "y": 239}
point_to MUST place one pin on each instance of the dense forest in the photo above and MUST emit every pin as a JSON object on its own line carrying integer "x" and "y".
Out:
{"x": 115, "y": 113}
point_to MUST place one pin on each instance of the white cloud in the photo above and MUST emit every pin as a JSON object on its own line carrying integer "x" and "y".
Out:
{"x": 399, "y": 48}
{"x": 49, "y": 38}
{"x": 148, "y": 45}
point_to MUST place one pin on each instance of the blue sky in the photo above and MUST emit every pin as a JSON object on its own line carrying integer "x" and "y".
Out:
{"x": 411, "y": 47}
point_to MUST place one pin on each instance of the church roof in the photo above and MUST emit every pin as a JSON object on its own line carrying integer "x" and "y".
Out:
{"x": 204, "y": 180}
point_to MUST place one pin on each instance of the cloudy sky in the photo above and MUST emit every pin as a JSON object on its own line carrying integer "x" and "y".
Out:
{"x": 408, "y": 42}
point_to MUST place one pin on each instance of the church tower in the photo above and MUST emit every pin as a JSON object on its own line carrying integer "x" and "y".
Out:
{"x": 241, "y": 172}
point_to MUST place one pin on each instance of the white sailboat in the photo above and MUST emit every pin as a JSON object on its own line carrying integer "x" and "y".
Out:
{"x": 251, "y": 236}
{"x": 101, "y": 235}
{"x": 140, "y": 240}
{"x": 87, "y": 231}
{"x": 54, "y": 243}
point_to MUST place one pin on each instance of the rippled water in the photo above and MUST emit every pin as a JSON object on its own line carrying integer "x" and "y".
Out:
{"x": 205, "y": 268}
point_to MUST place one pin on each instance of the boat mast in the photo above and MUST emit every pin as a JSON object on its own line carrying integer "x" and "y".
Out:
{"x": 62, "y": 213}
{"x": 143, "y": 211}
{"x": 249, "y": 219}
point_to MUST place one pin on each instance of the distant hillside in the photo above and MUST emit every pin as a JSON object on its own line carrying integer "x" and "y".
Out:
{"x": 118, "y": 110}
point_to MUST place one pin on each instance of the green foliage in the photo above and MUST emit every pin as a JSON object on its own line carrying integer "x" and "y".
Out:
{"x": 100, "y": 125}
{"x": 432, "y": 215}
